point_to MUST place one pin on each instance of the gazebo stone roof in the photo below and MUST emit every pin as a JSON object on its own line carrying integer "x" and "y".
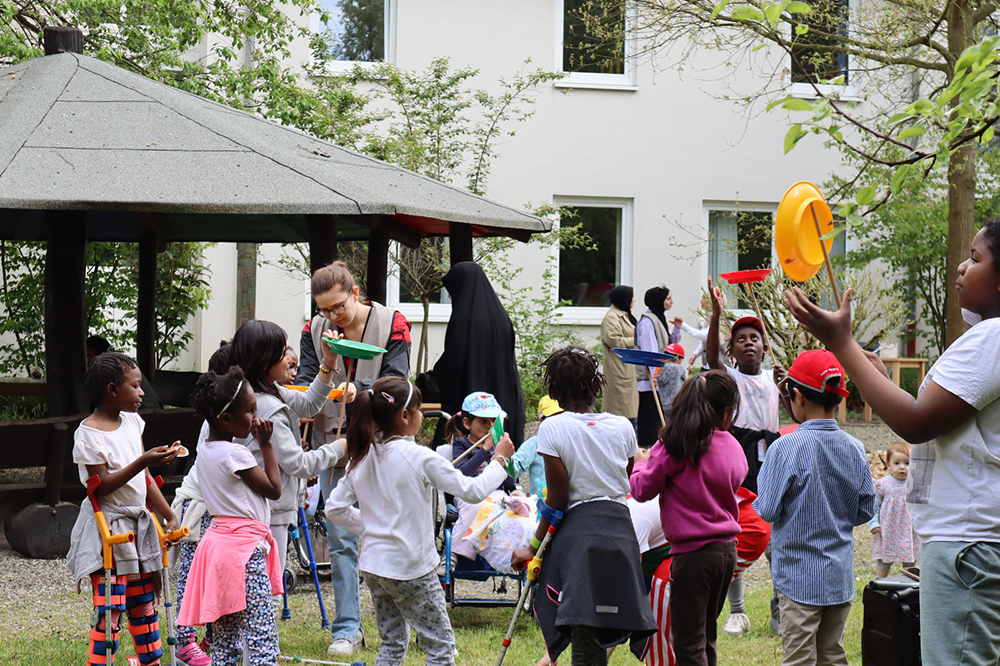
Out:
{"x": 82, "y": 134}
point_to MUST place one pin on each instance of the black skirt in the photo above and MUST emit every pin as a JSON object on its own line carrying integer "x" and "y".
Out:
{"x": 591, "y": 576}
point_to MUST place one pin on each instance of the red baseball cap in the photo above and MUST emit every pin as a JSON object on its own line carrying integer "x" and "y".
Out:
{"x": 819, "y": 370}
{"x": 749, "y": 320}
{"x": 675, "y": 349}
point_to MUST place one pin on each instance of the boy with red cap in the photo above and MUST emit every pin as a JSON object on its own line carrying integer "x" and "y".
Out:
{"x": 814, "y": 487}
{"x": 754, "y": 426}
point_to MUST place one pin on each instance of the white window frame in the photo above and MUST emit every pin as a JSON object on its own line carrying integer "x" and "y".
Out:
{"x": 439, "y": 313}
{"x": 586, "y": 80}
{"x": 338, "y": 67}
{"x": 847, "y": 93}
{"x": 737, "y": 207}
{"x": 592, "y": 316}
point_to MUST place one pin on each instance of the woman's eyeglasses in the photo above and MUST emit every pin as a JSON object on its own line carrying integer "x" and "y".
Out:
{"x": 336, "y": 309}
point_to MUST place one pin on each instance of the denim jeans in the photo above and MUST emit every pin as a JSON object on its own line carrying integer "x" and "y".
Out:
{"x": 343, "y": 569}
{"x": 960, "y": 603}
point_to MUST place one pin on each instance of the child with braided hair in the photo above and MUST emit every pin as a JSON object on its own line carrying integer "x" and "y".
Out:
{"x": 236, "y": 566}
{"x": 593, "y": 595}
{"x": 108, "y": 444}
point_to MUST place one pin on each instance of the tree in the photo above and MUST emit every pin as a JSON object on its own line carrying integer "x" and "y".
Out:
{"x": 156, "y": 38}
{"x": 929, "y": 69}
{"x": 429, "y": 122}
{"x": 111, "y": 293}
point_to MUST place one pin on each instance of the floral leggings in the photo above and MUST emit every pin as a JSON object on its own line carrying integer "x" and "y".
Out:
{"x": 255, "y": 624}
{"x": 185, "y": 634}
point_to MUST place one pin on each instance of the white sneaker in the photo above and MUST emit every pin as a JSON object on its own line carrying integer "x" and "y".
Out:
{"x": 346, "y": 646}
{"x": 736, "y": 625}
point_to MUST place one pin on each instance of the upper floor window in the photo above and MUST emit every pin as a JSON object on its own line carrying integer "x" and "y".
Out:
{"x": 815, "y": 57}
{"x": 356, "y": 32}
{"x": 596, "y": 44}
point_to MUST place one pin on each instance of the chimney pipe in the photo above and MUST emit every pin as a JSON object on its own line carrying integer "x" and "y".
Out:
{"x": 63, "y": 39}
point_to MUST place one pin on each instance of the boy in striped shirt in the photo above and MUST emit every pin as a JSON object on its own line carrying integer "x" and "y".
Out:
{"x": 814, "y": 487}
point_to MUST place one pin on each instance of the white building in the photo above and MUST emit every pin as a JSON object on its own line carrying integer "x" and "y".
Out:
{"x": 653, "y": 157}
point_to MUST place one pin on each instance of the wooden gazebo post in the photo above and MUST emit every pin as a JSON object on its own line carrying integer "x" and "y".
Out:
{"x": 460, "y": 242}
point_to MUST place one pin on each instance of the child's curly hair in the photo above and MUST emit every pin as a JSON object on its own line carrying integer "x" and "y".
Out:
{"x": 571, "y": 375}
{"x": 215, "y": 391}
{"x": 108, "y": 368}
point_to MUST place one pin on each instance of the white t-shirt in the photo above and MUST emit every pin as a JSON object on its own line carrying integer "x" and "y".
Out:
{"x": 758, "y": 400}
{"x": 955, "y": 479}
{"x": 116, "y": 449}
{"x": 595, "y": 448}
{"x": 647, "y": 524}
{"x": 224, "y": 491}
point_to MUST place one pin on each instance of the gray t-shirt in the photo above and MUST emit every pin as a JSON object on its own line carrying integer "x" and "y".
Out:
{"x": 595, "y": 448}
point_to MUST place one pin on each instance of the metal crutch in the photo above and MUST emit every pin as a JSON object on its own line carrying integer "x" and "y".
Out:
{"x": 167, "y": 603}
{"x": 532, "y": 571}
{"x": 107, "y": 541}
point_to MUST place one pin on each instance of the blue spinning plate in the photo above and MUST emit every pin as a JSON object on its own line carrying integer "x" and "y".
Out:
{"x": 640, "y": 357}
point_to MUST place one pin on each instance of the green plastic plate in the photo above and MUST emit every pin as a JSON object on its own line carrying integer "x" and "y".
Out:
{"x": 352, "y": 349}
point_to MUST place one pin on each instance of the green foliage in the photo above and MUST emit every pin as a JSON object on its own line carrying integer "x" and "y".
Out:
{"x": 908, "y": 233}
{"x": 160, "y": 39}
{"x": 110, "y": 293}
{"x": 18, "y": 407}
{"x": 22, "y": 279}
{"x": 429, "y": 122}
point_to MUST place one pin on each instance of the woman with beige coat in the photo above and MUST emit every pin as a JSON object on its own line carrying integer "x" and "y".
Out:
{"x": 621, "y": 395}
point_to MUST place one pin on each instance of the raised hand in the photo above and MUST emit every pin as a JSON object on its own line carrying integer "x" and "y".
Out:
{"x": 833, "y": 329}
{"x": 718, "y": 299}
{"x": 262, "y": 429}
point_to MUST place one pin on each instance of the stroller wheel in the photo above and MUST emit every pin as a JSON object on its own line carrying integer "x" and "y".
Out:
{"x": 291, "y": 580}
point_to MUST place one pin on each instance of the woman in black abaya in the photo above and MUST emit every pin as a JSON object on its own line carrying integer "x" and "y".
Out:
{"x": 479, "y": 348}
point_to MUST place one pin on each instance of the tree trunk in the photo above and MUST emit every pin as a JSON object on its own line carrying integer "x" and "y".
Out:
{"x": 961, "y": 185}
{"x": 422, "y": 346}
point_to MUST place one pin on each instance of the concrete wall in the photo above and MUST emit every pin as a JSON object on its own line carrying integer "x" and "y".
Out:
{"x": 671, "y": 146}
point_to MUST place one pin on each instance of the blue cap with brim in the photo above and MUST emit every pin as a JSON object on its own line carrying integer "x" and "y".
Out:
{"x": 482, "y": 404}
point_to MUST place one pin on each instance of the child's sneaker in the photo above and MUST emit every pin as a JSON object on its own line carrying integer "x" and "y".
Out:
{"x": 736, "y": 625}
{"x": 192, "y": 655}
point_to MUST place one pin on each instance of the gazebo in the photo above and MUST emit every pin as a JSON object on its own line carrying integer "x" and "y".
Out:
{"x": 93, "y": 152}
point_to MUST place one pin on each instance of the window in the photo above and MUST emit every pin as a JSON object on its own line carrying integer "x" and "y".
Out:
{"x": 410, "y": 272}
{"x": 586, "y": 277}
{"x": 740, "y": 239}
{"x": 814, "y": 60}
{"x": 356, "y": 32}
{"x": 596, "y": 44}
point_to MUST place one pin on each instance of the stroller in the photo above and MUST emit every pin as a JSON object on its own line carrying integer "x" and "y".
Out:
{"x": 457, "y": 568}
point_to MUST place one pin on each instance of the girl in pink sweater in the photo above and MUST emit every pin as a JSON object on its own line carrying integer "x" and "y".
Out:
{"x": 695, "y": 468}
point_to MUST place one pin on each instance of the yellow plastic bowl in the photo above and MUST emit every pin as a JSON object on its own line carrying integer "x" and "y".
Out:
{"x": 795, "y": 237}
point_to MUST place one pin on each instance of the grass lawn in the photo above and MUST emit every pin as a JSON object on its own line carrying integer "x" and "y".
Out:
{"x": 28, "y": 639}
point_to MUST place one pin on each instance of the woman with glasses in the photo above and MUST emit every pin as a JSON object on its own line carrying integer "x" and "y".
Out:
{"x": 342, "y": 311}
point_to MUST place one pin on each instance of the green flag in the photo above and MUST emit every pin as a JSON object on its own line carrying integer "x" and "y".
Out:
{"x": 497, "y": 430}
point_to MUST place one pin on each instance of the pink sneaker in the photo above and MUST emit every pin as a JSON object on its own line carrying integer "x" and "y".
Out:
{"x": 192, "y": 655}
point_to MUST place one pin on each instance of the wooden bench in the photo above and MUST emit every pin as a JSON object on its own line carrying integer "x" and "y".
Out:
{"x": 35, "y": 442}
{"x": 895, "y": 366}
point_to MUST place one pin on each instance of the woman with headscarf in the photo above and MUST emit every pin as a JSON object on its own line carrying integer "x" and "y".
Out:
{"x": 479, "y": 348}
{"x": 618, "y": 330}
{"x": 652, "y": 334}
